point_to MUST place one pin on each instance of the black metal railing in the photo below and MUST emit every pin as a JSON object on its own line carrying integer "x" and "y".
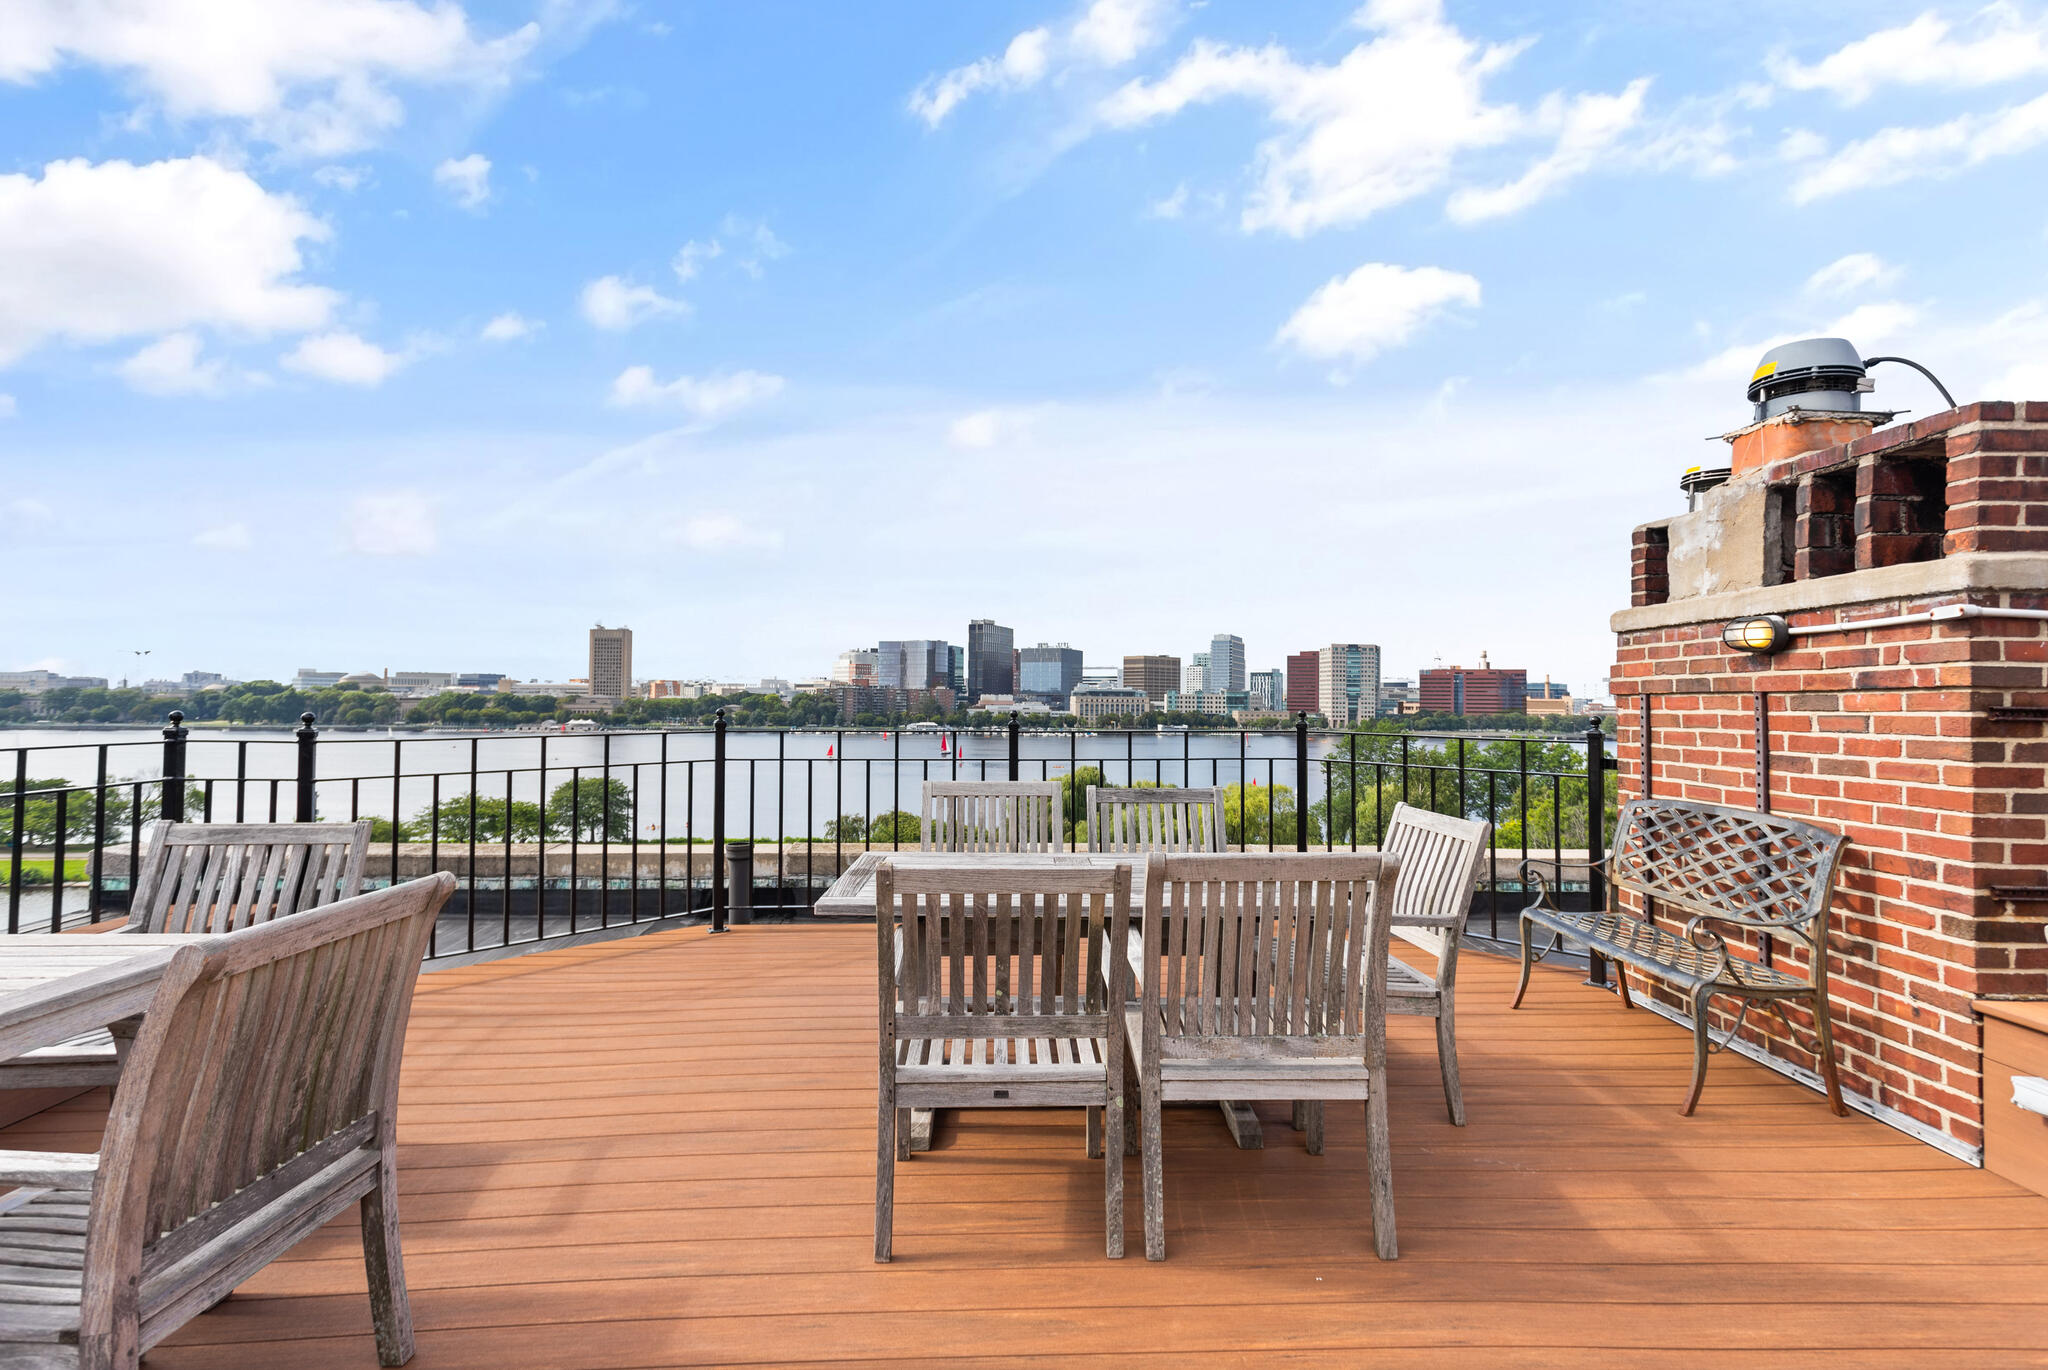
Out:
{"x": 556, "y": 834}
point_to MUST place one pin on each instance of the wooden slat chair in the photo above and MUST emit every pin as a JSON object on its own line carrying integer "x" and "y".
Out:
{"x": 992, "y": 816}
{"x": 259, "y": 1101}
{"x": 1265, "y": 977}
{"x": 208, "y": 877}
{"x": 1440, "y": 859}
{"x": 1008, "y": 997}
{"x": 1155, "y": 820}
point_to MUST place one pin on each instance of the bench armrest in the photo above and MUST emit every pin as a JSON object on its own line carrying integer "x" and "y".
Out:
{"x": 1530, "y": 872}
{"x": 50, "y": 1169}
{"x": 1709, "y": 943}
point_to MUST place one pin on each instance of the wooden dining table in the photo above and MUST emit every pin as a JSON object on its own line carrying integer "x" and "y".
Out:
{"x": 57, "y": 986}
{"x": 852, "y": 895}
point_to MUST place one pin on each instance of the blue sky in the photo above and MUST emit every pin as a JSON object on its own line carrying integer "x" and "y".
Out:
{"x": 369, "y": 333}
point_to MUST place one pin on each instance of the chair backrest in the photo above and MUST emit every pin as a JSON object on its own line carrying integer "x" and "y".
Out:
{"x": 1286, "y": 945}
{"x": 992, "y": 816}
{"x": 1155, "y": 820}
{"x": 1440, "y": 859}
{"x": 1001, "y": 952}
{"x": 217, "y": 877}
{"x": 1734, "y": 865}
{"x": 267, "y": 1056}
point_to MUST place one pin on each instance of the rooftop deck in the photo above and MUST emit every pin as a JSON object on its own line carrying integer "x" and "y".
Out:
{"x": 660, "y": 1153}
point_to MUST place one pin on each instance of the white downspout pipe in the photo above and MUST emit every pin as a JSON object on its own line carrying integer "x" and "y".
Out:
{"x": 1947, "y": 613}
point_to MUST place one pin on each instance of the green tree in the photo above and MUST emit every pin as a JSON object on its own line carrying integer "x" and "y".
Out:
{"x": 847, "y": 827}
{"x": 591, "y": 807}
{"x": 1254, "y": 814}
{"x": 452, "y": 820}
{"x": 897, "y": 827}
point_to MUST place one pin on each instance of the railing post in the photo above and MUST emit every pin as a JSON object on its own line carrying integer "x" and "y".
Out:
{"x": 174, "y": 768}
{"x": 739, "y": 860}
{"x": 718, "y": 822}
{"x": 1596, "y": 842}
{"x": 1300, "y": 782}
{"x": 1013, "y": 746}
{"x": 309, "y": 741}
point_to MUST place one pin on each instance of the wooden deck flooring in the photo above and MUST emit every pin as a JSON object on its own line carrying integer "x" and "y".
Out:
{"x": 604, "y": 1170}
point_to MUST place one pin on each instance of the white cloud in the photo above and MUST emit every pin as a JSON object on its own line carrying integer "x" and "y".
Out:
{"x": 510, "y": 327}
{"x": 314, "y": 76}
{"x": 224, "y": 537}
{"x": 1388, "y": 121}
{"x": 1847, "y": 275}
{"x": 1108, "y": 33}
{"x": 2006, "y": 44}
{"x": 725, "y": 533}
{"x": 750, "y": 243}
{"x": 1864, "y": 326}
{"x": 1588, "y": 128}
{"x": 616, "y": 304}
{"x": 1378, "y": 306}
{"x": 1896, "y": 154}
{"x": 172, "y": 366}
{"x": 7, "y": 406}
{"x": 95, "y": 252}
{"x": 691, "y": 256}
{"x": 396, "y": 524}
{"x": 25, "y": 508}
{"x": 707, "y": 397}
{"x": 1022, "y": 64}
{"x": 468, "y": 179}
{"x": 1802, "y": 145}
{"x": 1173, "y": 206}
{"x": 344, "y": 358}
{"x": 986, "y": 428}
{"x": 346, "y": 179}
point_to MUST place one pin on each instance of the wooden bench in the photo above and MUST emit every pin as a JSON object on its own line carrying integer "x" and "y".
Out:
{"x": 1715, "y": 865}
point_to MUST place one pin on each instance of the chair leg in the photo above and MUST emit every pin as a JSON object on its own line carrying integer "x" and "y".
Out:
{"x": 1298, "y": 1119}
{"x": 905, "y": 1130}
{"x": 1312, "y": 1111}
{"x": 885, "y": 1178}
{"x": 390, "y": 1310}
{"x": 1379, "y": 1168}
{"x": 1700, "y": 1043}
{"x": 1447, "y": 1062}
{"x": 1152, "y": 1146}
{"x": 1113, "y": 1167}
{"x": 1824, "y": 1033}
{"x": 1528, "y": 962}
{"x": 1134, "y": 1123}
{"x": 1621, "y": 985}
{"x": 1094, "y": 1133}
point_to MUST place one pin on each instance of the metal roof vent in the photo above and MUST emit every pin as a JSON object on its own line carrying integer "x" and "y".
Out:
{"x": 1825, "y": 374}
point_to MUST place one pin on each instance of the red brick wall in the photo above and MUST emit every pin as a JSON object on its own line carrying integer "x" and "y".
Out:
{"x": 1881, "y": 734}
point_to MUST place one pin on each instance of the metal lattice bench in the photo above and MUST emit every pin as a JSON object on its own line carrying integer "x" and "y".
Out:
{"x": 1716, "y": 865}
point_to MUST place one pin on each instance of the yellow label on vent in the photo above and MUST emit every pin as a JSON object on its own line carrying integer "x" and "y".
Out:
{"x": 1768, "y": 368}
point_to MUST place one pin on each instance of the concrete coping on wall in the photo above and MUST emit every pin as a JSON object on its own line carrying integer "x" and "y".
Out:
{"x": 1987, "y": 571}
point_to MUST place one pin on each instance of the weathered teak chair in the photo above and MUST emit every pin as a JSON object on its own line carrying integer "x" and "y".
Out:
{"x": 258, "y": 1103}
{"x": 1155, "y": 820}
{"x": 992, "y": 816}
{"x": 209, "y": 877}
{"x": 1440, "y": 859}
{"x": 1009, "y": 996}
{"x": 1265, "y": 977}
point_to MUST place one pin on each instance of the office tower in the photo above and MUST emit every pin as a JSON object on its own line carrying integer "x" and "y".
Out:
{"x": 1226, "y": 663}
{"x": 1195, "y": 678}
{"x": 1348, "y": 683}
{"x": 914, "y": 664}
{"x": 611, "y": 662}
{"x": 1304, "y": 682}
{"x": 1487, "y": 689}
{"x": 1266, "y": 690}
{"x": 1157, "y": 676}
{"x": 1048, "y": 672}
{"x": 990, "y": 649}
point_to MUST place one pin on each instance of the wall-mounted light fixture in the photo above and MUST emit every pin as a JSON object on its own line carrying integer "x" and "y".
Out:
{"x": 1763, "y": 635}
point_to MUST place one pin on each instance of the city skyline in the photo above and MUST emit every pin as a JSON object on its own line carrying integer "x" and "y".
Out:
{"x": 574, "y": 316}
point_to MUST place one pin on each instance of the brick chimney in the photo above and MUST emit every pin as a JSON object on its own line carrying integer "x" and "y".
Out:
{"x": 1923, "y": 737}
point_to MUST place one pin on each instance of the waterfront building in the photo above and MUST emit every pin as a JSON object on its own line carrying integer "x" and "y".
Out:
{"x": 478, "y": 680}
{"x": 308, "y": 679}
{"x": 1195, "y": 678}
{"x": 1201, "y": 701}
{"x": 1226, "y": 662}
{"x": 1048, "y": 672}
{"x": 1267, "y": 689}
{"x": 1092, "y": 702}
{"x": 1348, "y": 683}
{"x": 611, "y": 662}
{"x": 1486, "y": 689}
{"x": 1304, "y": 683}
{"x": 913, "y": 664}
{"x": 991, "y": 659}
{"x": 856, "y": 667}
{"x": 1157, "y": 676}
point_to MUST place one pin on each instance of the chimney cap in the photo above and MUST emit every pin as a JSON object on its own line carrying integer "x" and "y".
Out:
{"x": 1812, "y": 373}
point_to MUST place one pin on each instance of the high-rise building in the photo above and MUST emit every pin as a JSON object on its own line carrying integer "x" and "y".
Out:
{"x": 611, "y": 662}
{"x": 1304, "y": 682}
{"x": 991, "y": 656}
{"x": 1226, "y": 663}
{"x": 1266, "y": 689}
{"x": 1195, "y": 678}
{"x": 1486, "y": 689}
{"x": 914, "y": 664}
{"x": 1348, "y": 683}
{"x": 1048, "y": 672}
{"x": 856, "y": 667}
{"x": 1157, "y": 676}
{"x": 956, "y": 670}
